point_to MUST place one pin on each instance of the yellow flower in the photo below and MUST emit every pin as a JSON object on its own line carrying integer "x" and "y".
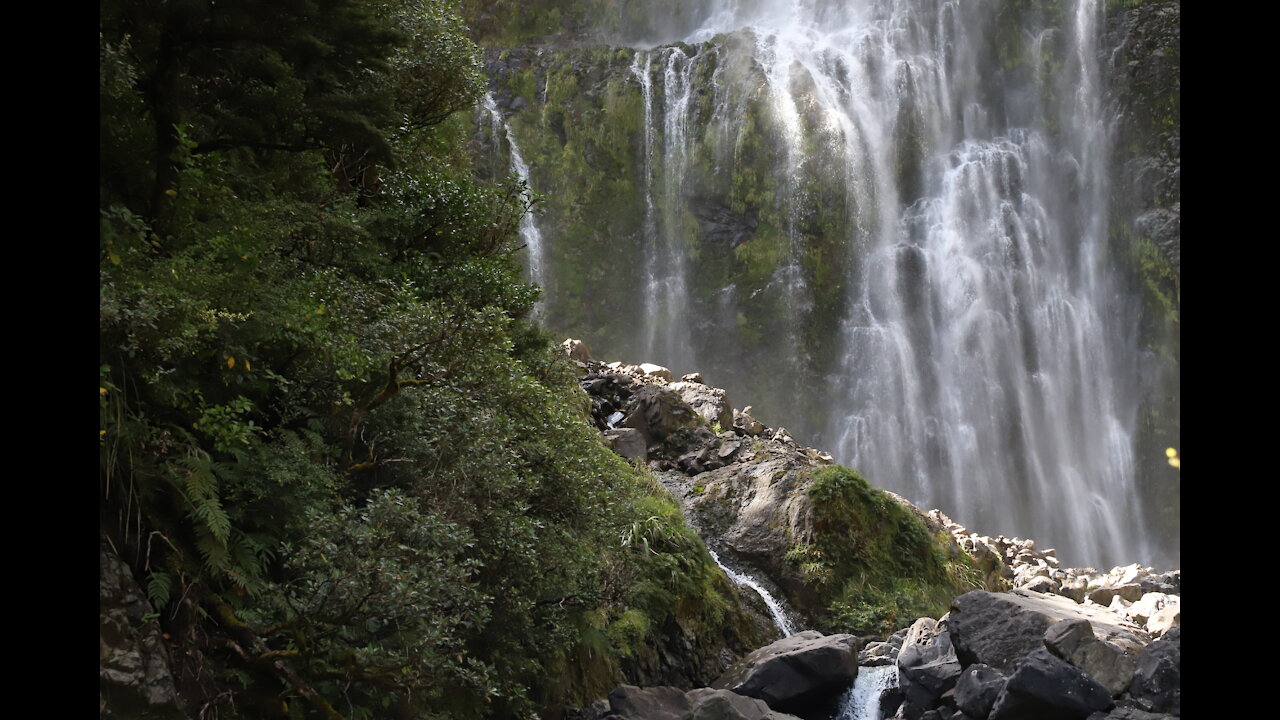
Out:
{"x": 1170, "y": 452}
{"x": 102, "y": 390}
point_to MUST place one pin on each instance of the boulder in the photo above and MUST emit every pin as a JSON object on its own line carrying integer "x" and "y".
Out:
{"x": 1157, "y": 681}
{"x": 658, "y": 413}
{"x": 1047, "y": 688}
{"x": 627, "y": 442}
{"x": 133, "y": 663}
{"x": 628, "y": 702}
{"x": 1146, "y": 606}
{"x": 743, "y": 421}
{"x": 1130, "y": 592}
{"x": 1041, "y": 584}
{"x": 1073, "y": 641}
{"x": 1165, "y": 619}
{"x": 977, "y": 689}
{"x": 878, "y": 653}
{"x": 710, "y": 402}
{"x": 709, "y": 704}
{"x": 576, "y": 350}
{"x": 656, "y": 371}
{"x": 999, "y": 628}
{"x": 801, "y": 674}
{"x": 1075, "y": 587}
{"x": 927, "y": 668}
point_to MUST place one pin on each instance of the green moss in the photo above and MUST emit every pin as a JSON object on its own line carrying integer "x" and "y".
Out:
{"x": 629, "y": 631}
{"x": 874, "y": 564}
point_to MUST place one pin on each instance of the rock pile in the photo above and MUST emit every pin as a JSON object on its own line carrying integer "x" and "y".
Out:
{"x": 1133, "y": 592}
{"x": 1025, "y": 654}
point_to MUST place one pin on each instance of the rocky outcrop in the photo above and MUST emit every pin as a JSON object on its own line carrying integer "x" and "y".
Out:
{"x": 801, "y": 674}
{"x": 133, "y": 663}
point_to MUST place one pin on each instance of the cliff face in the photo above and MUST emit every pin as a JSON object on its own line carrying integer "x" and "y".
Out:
{"x": 1143, "y": 69}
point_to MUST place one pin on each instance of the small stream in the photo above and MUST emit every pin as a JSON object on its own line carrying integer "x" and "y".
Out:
{"x": 785, "y": 626}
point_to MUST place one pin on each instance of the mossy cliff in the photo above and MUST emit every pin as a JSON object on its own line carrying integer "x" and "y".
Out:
{"x": 724, "y": 197}
{"x": 1145, "y": 92}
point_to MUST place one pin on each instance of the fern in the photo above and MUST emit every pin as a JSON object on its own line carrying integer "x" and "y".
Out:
{"x": 201, "y": 492}
{"x": 159, "y": 589}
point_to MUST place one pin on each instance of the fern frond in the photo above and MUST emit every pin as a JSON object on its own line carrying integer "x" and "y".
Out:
{"x": 159, "y": 589}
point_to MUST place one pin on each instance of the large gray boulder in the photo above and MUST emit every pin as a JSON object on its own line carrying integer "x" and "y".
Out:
{"x": 1073, "y": 640}
{"x": 800, "y": 674}
{"x": 711, "y": 403}
{"x": 658, "y": 413}
{"x": 627, "y": 442}
{"x": 133, "y": 664}
{"x": 710, "y": 704}
{"x": 1047, "y": 688}
{"x": 628, "y": 702}
{"x": 998, "y": 629}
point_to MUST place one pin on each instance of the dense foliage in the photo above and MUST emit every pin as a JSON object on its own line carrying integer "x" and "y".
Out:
{"x": 354, "y": 478}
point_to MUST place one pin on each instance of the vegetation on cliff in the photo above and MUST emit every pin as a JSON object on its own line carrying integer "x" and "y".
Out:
{"x": 354, "y": 478}
{"x": 873, "y": 563}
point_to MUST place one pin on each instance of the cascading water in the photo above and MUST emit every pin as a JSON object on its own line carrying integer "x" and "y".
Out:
{"x": 907, "y": 202}
{"x": 528, "y": 225}
{"x": 862, "y": 701}
{"x": 665, "y": 271}
{"x": 779, "y": 615}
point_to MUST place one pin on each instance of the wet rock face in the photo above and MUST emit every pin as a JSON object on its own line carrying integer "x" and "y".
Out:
{"x": 1144, "y": 53}
{"x": 134, "y": 676}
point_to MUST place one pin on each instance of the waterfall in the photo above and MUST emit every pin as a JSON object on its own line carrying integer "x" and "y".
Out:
{"x": 887, "y": 223}
{"x": 862, "y": 701}
{"x": 528, "y": 225}
{"x": 665, "y": 269}
{"x": 779, "y": 615}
